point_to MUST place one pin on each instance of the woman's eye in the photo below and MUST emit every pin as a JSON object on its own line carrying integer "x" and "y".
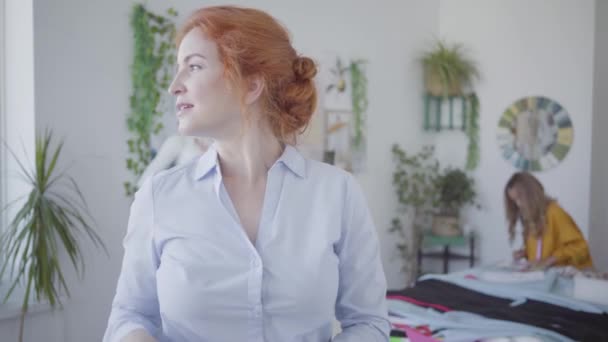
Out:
{"x": 194, "y": 67}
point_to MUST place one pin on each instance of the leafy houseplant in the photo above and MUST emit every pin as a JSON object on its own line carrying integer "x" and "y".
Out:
{"x": 50, "y": 221}
{"x": 415, "y": 180}
{"x": 151, "y": 69}
{"x": 454, "y": 190}
{"x": 447, "y": 70}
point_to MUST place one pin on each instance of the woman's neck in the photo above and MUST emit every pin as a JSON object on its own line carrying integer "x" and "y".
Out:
{"x": 250, "y": 154}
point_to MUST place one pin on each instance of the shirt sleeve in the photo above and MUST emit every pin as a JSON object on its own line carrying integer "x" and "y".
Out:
{"x": 571, "y": 247}
{"x": 361, "y": 304}
{"x": 135, "y": 305}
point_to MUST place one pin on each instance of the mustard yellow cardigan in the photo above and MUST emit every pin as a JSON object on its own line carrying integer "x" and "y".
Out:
{"x": 561, "y": 239}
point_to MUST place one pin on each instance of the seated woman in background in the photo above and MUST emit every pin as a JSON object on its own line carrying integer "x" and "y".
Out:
{"x": 550, "y": 235}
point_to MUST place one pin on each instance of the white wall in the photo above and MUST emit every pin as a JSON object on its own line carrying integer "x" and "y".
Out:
{"x": 598, "y": 220}
{"x": 525, "y": 48}
{"x": 83, "y": 52}
{"x": 19, "y": 91}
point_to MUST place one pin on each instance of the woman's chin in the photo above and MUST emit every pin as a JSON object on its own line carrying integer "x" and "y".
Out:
{"x": 186, "y": 128}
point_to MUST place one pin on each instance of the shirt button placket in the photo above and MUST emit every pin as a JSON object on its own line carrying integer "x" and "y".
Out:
{"x": 255, "y": 297}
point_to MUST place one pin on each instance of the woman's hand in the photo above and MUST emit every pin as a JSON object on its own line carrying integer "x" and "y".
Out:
{"x": 541, "y": 265}
{"x": 519, "y": 254}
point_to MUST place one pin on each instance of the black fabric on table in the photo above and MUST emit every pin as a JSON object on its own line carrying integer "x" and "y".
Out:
{"x": 577, "y": 325}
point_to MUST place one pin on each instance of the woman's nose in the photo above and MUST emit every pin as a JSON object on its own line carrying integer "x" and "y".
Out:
{"x": 176, "y": 87}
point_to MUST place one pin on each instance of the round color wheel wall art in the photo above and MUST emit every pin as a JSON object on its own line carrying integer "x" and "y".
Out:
{"x": 535, "y": 133}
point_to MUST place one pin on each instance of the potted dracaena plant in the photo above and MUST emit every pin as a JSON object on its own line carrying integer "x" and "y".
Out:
{"x": 51, "y": 219}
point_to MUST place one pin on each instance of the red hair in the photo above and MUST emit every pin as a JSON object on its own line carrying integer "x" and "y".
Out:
{"x": 252, "y": 43}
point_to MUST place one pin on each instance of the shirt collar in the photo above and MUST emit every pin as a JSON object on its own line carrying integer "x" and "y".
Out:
{"x": 291, "y": 158}
{"x": 207, "y": 162}
{"x": 294, "y": 161}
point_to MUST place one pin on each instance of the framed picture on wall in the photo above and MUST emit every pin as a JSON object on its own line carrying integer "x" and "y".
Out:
{"x": 535, "y": 133}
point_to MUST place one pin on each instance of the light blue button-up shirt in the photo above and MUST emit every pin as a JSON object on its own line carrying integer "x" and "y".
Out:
{"x": 190, "y": 273}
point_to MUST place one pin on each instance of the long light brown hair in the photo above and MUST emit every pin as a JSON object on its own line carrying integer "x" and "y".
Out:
{"x": 533, "y": 206}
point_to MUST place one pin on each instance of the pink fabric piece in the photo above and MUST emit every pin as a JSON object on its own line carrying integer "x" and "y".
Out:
{"x": 415, "y": 336}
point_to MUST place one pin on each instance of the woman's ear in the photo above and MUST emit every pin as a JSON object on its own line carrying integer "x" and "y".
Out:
{"x": 255, "y": 86}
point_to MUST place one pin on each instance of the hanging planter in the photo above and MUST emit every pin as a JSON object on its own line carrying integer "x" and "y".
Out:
{"x": 448, "y": 80}
{"x": 435, "y": 86}
{"x": 448, "y": 71}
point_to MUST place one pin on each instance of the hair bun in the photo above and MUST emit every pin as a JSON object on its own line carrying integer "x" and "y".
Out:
{"x": 304, "y": 68}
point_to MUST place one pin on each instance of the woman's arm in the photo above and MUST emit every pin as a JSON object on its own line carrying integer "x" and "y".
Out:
{"x": 169, "y": 151}
{"x": 571, "y": 247}
{"x": 361, "y": 305}
{"x": 135, "y": 305}
{"x": 138, "y": 335}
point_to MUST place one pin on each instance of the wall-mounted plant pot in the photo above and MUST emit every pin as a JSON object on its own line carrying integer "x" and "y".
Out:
{"x": 446, "y": 225}
{"x": 435, "y": 87}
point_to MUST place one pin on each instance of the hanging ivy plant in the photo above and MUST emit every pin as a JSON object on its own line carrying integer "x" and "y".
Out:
{"x": 153, "y": 61}
{"x": 472, "y": 130}
{"x": 359, "y": 99}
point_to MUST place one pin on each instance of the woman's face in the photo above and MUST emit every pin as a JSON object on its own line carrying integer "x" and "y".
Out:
{"x": 206, "y": 103}
{"x": 515, "y": 196}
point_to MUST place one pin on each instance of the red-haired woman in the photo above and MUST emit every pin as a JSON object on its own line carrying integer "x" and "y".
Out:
{"x": 252, "y": 241}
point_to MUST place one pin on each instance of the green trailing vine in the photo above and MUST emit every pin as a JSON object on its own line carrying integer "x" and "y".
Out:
{"x": 358, "y": 85}
{"x": 472, "y": 131}
{"x": 359, "y": 99}
{"x": 470, "y": 121}
{"x": 153, "y": 59}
